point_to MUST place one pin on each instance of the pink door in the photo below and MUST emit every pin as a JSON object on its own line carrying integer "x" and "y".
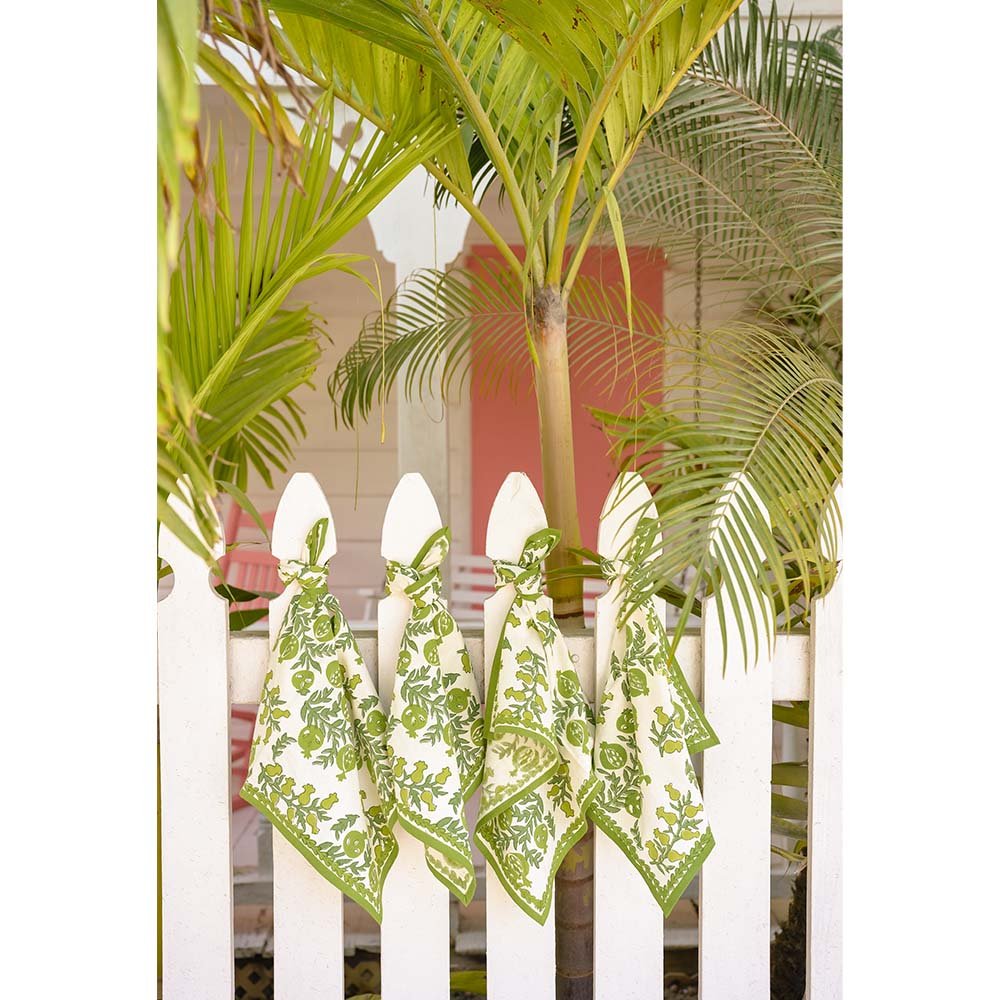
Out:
{"x": 505, "y": 426}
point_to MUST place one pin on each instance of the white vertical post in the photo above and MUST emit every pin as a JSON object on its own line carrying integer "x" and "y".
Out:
{"x": 308, "y": 910}
{"x": 411, "y": 234}
{"x": 824, "y": 913}
{"x": 521, "y": 955}
{"x": 734, "y": 922}
{"x": 415, "y": 926}
{"x": 193, "y": 679}
{"x": 628, "y": 922}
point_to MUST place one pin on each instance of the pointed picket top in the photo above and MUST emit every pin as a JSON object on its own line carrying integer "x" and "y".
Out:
{"x": 415, "y": 905}
{"x": 301, "y": 505}
{"x": 628, "y": 921}
{"x": 516, "y": 515}
{"x": 628, "y": 502}
{"x": 411, "y": 517}
{"x": 188, "y": 566}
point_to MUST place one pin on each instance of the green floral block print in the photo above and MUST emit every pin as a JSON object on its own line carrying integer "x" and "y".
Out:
{"x": 319, "y": 769}
{"x": 435, "y": 736}
{"x": 538, "y": 780}
{"x": 648, "y": 724}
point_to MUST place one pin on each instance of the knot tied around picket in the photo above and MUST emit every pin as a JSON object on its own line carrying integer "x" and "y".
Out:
{"x": 420, "y": 580}
{"x": 310, "y": 577}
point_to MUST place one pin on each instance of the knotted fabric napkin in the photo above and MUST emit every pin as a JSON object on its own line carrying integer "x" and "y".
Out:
{"x": 648, "y": 724}
{"x": 436, "y": 735}
{"x": 538, "y": 780}
{"x": 318, "y": 766}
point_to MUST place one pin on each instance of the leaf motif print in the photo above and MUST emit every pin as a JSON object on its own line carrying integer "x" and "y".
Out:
{"x": 648, "y": 799}
{"x": 319, "y": 766}
{"x": 435, "y": 735}
{"x": 538, "y": 779}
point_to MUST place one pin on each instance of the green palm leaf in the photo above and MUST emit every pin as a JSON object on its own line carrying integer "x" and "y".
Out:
{"x": 742, "y": 454}
{"x": 442, "y": 328}
{"x": 740, "y": 176}
{"x": 235, "y": 352}
{"x": 514, "y": 86}
{"x": 179, "y": 460}
{"x": 177, "y": 127}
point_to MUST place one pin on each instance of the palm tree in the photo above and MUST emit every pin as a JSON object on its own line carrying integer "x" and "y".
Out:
{"x": 556, "y": 109}
{"x": 554, "y": 103}
{"x": 740, "y": 177}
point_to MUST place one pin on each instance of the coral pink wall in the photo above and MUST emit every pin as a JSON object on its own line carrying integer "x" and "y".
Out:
{"x": 505, "y": 426}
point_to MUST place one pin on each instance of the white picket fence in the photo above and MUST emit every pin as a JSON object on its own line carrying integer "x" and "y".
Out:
{"x": 203, "y": 671}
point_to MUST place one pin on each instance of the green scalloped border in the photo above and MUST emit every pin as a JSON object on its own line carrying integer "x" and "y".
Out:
{"x": 305, "y": 847}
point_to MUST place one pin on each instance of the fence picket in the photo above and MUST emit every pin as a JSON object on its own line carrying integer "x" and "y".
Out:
{"x": 628, "y": 922}
{"x": 734, "y": 922}
{"x": 415, "y": 922}
{"x": 824, "y": 913}
{"x": 521, "y": 954}
{"x": 308, "y": 910}
{"x": 192, "y": 633}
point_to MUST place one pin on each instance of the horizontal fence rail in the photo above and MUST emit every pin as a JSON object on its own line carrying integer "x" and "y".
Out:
{"x": 202, "y": 672}
{"x": 789, "y": 681}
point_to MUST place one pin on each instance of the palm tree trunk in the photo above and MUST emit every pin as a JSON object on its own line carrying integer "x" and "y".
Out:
{"x": 574, "y": 911}
{"x": 555, "y": 420}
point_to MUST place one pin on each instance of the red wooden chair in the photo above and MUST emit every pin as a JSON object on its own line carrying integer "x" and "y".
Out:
{"x": 249, "y": 568}
{"x": 239, "y": 748}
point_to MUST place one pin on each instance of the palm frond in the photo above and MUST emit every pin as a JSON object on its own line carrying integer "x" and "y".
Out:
{"x": 177, "y": 128}
{"x": 739, "y": 178}
{"x": 441, "y": 329}
{"x": 742, "y": 453}
{"x": 182, "y": 470}
{"x": 236, "y": 352}
{"x": 516, "y": 89}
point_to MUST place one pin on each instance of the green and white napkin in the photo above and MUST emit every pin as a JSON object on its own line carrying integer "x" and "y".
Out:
{"x": 648, "y": 724}
{"x": 318, "y": 764}
{"x": 538, "y": 780}
{"x": 436, "y": 736}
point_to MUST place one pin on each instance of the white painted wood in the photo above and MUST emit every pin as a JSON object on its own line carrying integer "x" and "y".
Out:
{"x": 412, "y": 234}
{"x": 735, "y": 883}
{"x": 735, "y": 915}
{"x": 790, "y": 663}
{"x": 789, "y": 668}
{"x": 521, "y": 958}
{"x": 824, "y": 913}
{"x": 308, "y": 910}
{"x": 192, "y": 629}
{"x": 628, "y": 922}
{"x": 415, "y": 924}
{"x": 734, "y": 926}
